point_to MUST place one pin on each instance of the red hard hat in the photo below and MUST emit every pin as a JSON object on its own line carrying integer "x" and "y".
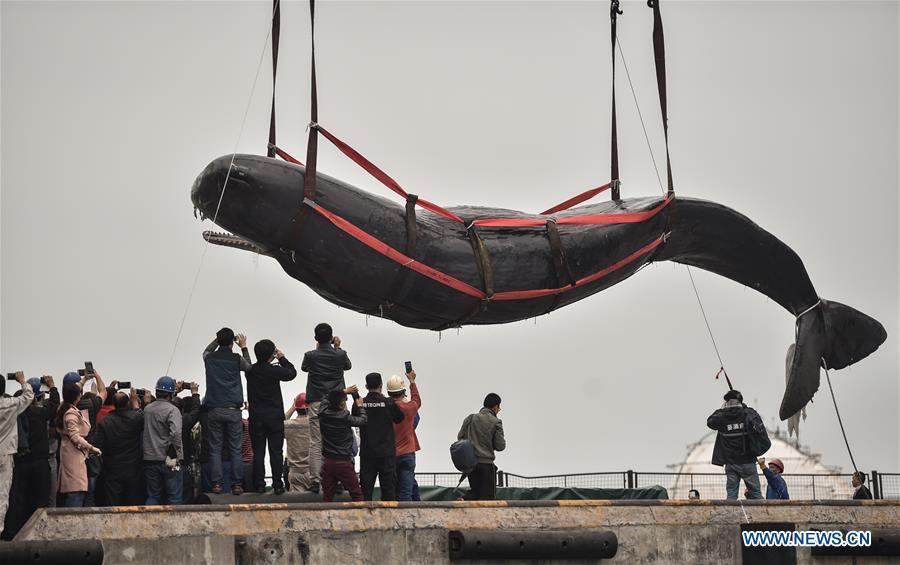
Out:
{"x": 777, "y": 463}
{"x": 300, "y": 401}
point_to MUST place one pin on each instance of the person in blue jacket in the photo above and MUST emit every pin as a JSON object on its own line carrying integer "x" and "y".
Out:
{"x": 777, "y": 489}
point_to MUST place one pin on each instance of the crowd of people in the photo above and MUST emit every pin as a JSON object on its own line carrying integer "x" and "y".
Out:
{"x": 111, "y": 445}
{"x": 114, "y": 445}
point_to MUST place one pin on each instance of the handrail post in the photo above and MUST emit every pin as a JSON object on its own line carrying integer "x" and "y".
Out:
{"x": 876, "y": 485}
{"x": 631, "y": 478}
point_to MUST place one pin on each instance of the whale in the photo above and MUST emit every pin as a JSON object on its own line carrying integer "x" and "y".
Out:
{"x": 424, "y": 270}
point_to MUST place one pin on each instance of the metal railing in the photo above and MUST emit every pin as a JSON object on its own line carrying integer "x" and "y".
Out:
{"x": 710, "y": 485}
{"x": 887, "y": 485}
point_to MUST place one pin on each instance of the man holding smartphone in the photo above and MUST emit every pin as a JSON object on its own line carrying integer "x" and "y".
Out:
{"x": 407, "y": 443}
{"x": 10, "y": 409}
{"x": 266, "y": 418}
{"x": 325, "y": 365}
{"x": 224, "y": 399}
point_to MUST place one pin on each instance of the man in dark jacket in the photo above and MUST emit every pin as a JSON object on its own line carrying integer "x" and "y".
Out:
{"x": 190, "y": 415}
{"x": 861, "y": 491}
{"x": 326, "y": 365}
{"x": 266, "y": 416}
{"x": 31, "y": 475}
{"x": 119, "y": 437}
{"x": 732, "y": 447}
{"x": 377, "y": 450}
{"x": 485, "y": 431}
{"x": 337, "y": 445}
{"x": 224, "y": 399}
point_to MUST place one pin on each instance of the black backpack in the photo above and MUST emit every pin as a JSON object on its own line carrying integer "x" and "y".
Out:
{"x": 757, "y": 437}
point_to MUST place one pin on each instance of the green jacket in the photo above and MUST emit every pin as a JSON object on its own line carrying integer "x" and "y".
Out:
{"x": 485, "y": 431}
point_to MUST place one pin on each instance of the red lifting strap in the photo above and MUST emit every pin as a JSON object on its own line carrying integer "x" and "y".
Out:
{"x": 393, "y": 254}
{"x": 284, "y": 154}
{"x": 452, "y": 282}
{"x": 575, "y": 200}
{"x": 594, "y": 219}
{"x": 383, "y": 177}
{"x": 525, "y": 294}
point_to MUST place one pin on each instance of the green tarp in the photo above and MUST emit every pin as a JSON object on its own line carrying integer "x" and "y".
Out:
{"x": 547, "y": 493}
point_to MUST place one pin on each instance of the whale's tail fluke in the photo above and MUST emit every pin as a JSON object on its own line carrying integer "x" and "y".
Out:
{"x": 831, "y": 333}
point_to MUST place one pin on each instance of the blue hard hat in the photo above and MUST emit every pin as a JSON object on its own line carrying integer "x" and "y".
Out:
{"x": 165, "y": 384}
{"x": 35, "y": 383}
{"x": 71, "y": 377}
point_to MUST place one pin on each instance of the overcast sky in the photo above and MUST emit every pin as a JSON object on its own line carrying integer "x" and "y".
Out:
{"x": 787, "y": 112}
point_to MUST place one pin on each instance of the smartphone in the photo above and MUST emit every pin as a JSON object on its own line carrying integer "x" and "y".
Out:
{"x": 80, "y": 372}
{"x": 408, "y": 365}
{"x": 10, "y": 376}
{"x": 123, "y": 385}
{"x": 140, "y": 392}
{"x": 88, "y": 367}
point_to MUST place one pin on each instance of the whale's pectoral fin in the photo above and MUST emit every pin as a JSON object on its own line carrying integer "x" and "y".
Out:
{"x": 830, "y": 335}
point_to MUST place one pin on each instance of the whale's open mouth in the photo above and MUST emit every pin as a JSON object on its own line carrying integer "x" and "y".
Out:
{"x": 231, "y": 240}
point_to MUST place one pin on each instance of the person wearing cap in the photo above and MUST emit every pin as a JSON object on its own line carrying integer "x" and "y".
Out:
{"x": 223, "y": 401}
{"x": 325, "y": 366}
{"x": 407, "y": 443}
{"x": 163, "y": 451}
{"x": 119, "y": 436}
{"x": 777, "y": 489}
{"x": 10, "y": 409}
{"x": 337, "y": 445}
{"x": 377, "y": 450}
{"x": 485, "y": 430}
{"x": 296, "y": 432}
{"x": 861, "y": 491}
{"x": 266, "y": 412}
{"x": 31, "y": 476}
{"x": 732, "y": 447}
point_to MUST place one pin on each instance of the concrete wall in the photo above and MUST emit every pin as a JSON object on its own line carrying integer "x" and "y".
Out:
{"x": 657, "y": 532}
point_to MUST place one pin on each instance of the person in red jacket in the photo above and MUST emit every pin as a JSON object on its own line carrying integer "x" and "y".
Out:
{"x": 405, "y": 433}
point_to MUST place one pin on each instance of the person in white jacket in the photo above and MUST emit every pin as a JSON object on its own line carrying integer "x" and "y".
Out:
{"x": 10, "y": 408}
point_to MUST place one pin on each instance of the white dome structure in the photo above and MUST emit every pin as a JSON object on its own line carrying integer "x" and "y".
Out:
{"x": 806, "y": 476}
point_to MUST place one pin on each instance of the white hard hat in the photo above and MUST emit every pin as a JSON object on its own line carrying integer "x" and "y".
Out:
{"x": 395, "y": 384}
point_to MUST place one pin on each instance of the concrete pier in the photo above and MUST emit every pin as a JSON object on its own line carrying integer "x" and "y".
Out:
{"x": 648, "y": 531}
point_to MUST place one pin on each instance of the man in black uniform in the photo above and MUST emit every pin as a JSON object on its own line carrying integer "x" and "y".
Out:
{"x": 266, "y": 412}
{"x": 732, "y": 448}
{"x": 119, "y": 437}
{"x": 377, "y": 450}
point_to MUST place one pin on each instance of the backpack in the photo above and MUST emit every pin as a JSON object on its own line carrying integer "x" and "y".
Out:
{"x": 462, "y": 453}
{"x": 758, "y": 441}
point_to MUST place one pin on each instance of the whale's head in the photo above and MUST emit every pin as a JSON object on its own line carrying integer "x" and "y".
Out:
{"x": 258, "y": 205}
